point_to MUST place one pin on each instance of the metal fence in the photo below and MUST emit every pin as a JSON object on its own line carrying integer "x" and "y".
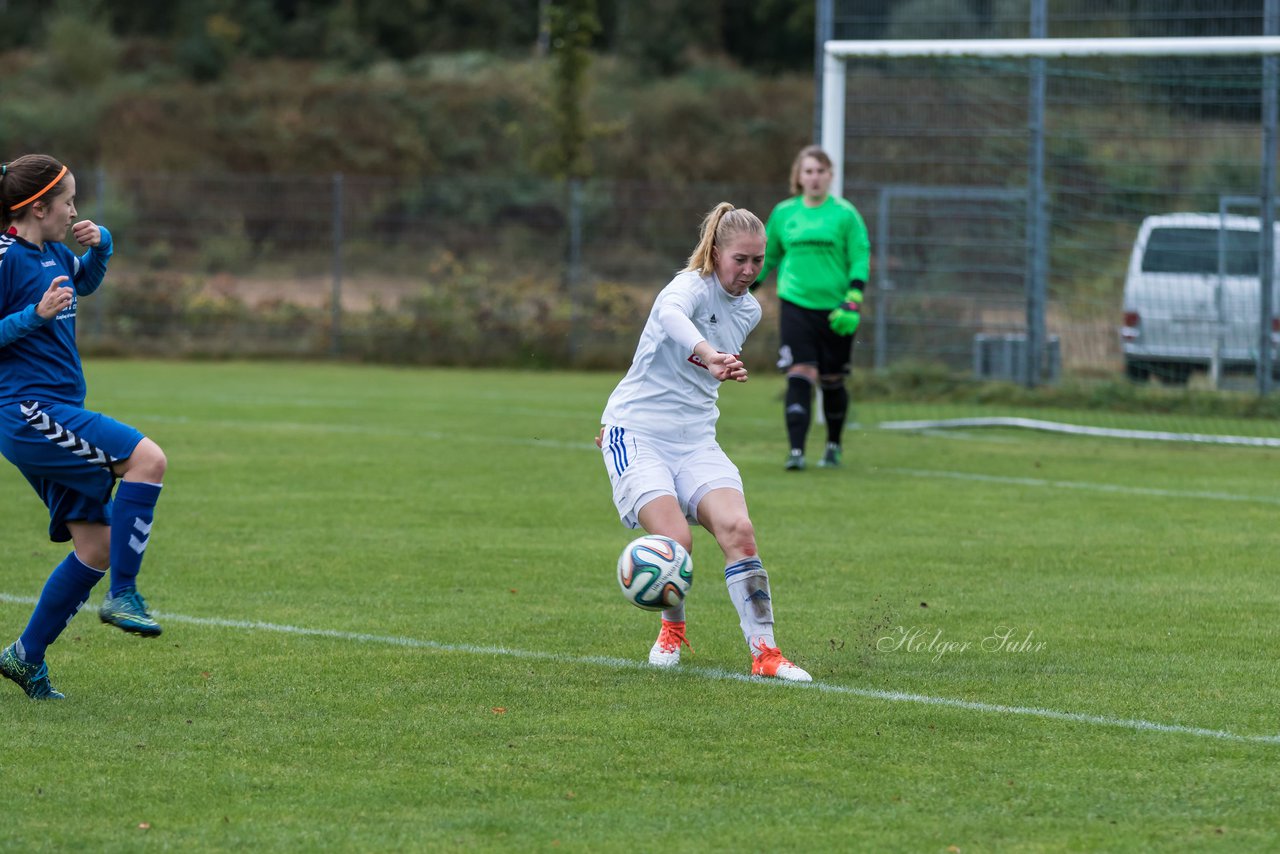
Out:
{"x": 961, "y": 161}
{"x": 937, "y": 159}
{"x": 466, "y": 271}
{"x": 435, "y": 271}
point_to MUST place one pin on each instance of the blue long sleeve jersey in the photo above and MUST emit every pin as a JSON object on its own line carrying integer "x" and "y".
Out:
{"x": 38, "y": 358}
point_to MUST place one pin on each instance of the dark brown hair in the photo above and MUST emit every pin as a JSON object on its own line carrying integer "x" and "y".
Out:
{"x": 23, "y": 178}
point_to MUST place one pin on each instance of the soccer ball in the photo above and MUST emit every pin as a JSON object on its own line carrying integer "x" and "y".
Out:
{"x": 655, "y": 572}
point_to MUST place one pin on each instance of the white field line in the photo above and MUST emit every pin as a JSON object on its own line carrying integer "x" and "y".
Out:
{"x": 1081, "y": 430}
{"x": 705, "y": 673}
{"x": 370, "y": 430}
{"x": 1087, "y": 485}
{"x": 587, "y": 445}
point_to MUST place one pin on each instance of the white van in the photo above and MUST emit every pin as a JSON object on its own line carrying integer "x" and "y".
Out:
{"x": 1192, "y": 297}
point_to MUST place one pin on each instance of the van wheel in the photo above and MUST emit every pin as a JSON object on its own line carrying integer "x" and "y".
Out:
{"x": 1138, "y": 372}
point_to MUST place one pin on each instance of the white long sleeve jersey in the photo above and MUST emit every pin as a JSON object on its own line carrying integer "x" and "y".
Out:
{"x": 668, "y": 393}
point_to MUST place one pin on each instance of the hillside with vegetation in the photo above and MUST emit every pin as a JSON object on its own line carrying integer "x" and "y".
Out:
{"x": 456, "y": 124}
{"x": 455, "y": 138}
{"x": 248, "y": 90}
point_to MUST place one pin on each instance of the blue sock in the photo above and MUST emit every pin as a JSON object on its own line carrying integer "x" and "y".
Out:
{"x": 63, "y": 596}
{"x": 131, "y": 515}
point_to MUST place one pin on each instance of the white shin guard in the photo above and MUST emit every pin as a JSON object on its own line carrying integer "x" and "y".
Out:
{"x": 748, "y": 584}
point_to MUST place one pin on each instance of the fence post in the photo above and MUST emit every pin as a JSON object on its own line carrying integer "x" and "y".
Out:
{"x": 1037, "y": 210}
{"x": 335, "y": 343}
{"x": 573, "y": 264}
{"x": 823, "y": 32}
{"x": 883, "y": 283}
{"x": 1267, "y": 246}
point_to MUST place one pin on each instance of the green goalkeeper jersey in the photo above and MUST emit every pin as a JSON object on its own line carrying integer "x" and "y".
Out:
{"x": 817, "y": 251}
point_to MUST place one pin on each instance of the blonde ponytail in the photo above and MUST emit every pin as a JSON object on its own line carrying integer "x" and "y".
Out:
{"x": 722, "y": 223}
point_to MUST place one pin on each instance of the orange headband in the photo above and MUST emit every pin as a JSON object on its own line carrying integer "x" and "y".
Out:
{"x": 47, "y": 188}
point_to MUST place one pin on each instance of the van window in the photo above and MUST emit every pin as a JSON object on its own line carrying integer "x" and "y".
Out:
{"x": 1195, "y": 250}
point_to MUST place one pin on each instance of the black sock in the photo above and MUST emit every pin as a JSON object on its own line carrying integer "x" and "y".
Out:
{"x": 799, "y": 405}
{"x": 835, "y": 408}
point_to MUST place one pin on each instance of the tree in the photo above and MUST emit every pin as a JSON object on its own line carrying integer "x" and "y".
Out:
{"x": 573, "y": 25}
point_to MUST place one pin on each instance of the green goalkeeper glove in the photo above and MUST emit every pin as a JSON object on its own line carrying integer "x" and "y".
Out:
{"x": 845, "y": 319}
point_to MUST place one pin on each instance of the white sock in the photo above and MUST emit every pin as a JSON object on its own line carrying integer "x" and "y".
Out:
{"x": 748, "y": 585}
{"x": 674, "y": 615}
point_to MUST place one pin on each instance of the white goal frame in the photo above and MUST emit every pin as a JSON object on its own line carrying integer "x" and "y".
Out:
{"x": 836, "y": 53}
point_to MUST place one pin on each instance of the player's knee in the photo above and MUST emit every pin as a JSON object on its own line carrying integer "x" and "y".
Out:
{"x": 830, "y": 382}
{"x": 148, "y": 462}
{"x": 95, "y": 557}
{"x": 92, "y": 543}
{"x": 808, "y": 372}
{"x": 738, "y": 534}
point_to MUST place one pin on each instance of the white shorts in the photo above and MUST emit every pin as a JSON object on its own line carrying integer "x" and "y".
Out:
{"x": 642, "y": 468}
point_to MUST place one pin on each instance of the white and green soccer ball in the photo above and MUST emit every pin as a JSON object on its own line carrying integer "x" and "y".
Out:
{"x": 655, "y": 573}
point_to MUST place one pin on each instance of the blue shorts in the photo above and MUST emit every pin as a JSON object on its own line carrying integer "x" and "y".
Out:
{"x": 66, "y": 454}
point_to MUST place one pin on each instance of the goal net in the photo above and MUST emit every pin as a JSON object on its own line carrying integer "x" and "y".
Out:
{"x": 1067, "y": 233}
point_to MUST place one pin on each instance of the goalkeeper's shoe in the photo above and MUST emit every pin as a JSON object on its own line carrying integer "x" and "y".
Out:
{"x": 769, "y": 661}
{"x": 666, "y": 649}
{"x": 128, "y": 611}
{"x": 831, "y": 459}
{"x": 795, "y": 460}
{"x": 32, "y": 678}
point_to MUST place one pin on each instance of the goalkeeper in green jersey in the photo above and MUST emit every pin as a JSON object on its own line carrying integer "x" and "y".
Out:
{"x": 819, "y": 245}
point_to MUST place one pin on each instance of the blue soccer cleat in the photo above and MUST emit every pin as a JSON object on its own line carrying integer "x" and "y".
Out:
{"x": 128, "y": 611}
{"x": 32, "y": 678}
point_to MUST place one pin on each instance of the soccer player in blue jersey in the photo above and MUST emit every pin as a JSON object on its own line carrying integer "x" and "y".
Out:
{"x": 70, "y": 455}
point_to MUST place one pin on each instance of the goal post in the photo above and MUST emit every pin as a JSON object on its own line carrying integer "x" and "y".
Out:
{"x": 836, "y": 53}
{"x": 1220, "y": 127}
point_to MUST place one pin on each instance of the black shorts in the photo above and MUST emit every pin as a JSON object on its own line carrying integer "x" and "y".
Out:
{"x": 808, "y": 339}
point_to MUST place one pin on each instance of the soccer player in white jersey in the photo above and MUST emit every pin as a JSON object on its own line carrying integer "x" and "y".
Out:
{"x": 659, "y": 433}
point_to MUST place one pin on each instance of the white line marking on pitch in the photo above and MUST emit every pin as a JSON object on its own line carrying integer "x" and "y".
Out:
{"x": 427, "y": 435}
{"x": 1086, "y": 485}
{"x": 534, "y": 442}
{"x": 706, "y": 672}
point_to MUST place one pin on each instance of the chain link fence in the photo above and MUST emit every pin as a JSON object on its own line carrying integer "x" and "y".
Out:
{"x": 471, "y": 270}
{"x": 459, "y": 271}
{"x": 944, "y": 153}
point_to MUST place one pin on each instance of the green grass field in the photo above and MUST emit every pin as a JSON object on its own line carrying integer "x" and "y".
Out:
{"x": 391, "y": 623}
